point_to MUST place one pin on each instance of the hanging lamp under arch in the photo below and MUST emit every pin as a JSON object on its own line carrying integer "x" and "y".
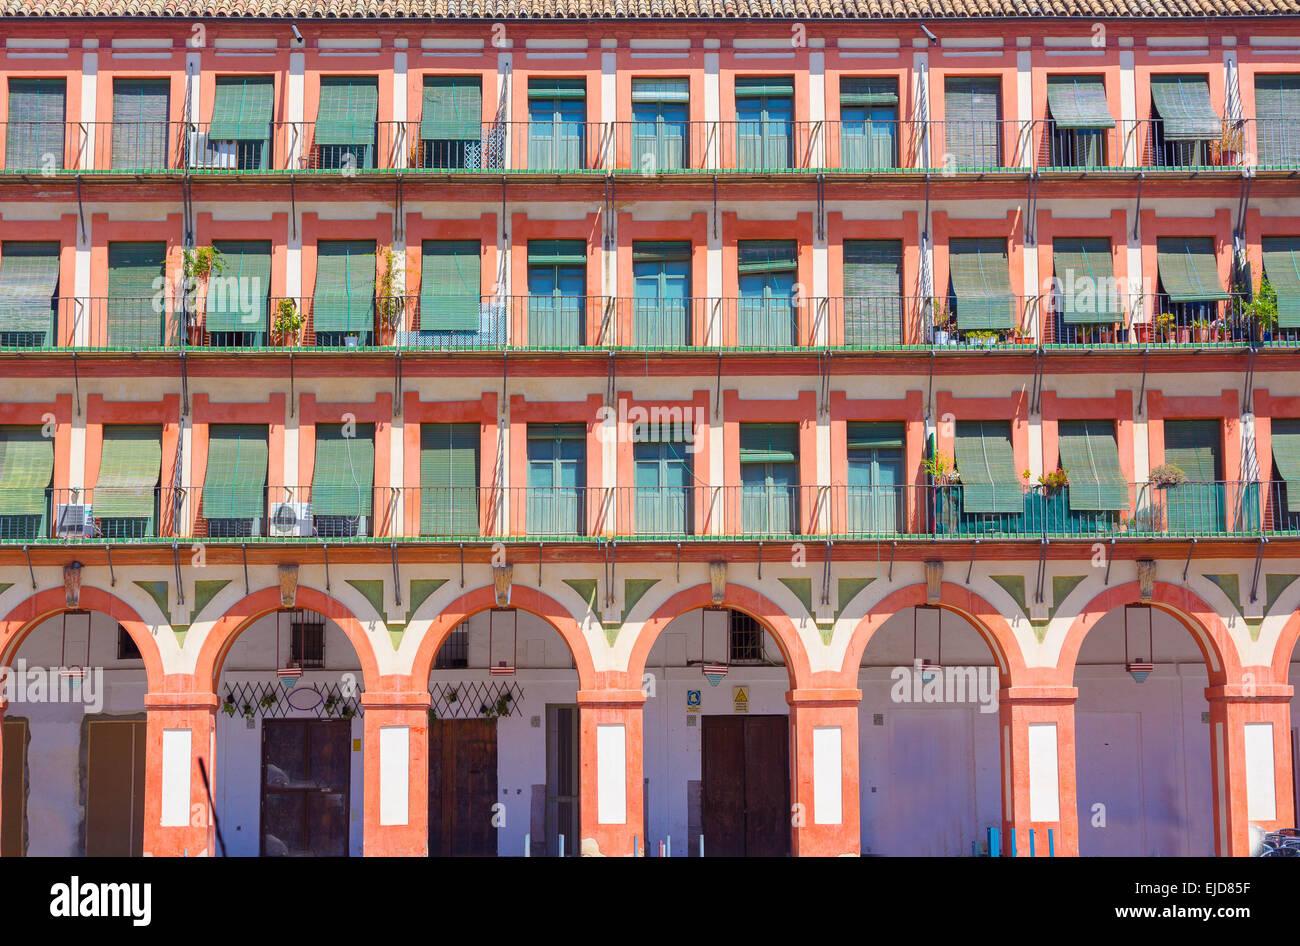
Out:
{"x": 1142, "y": 668}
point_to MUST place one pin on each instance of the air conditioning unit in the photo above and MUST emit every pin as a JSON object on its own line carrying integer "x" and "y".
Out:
{"x": 290, "y": 519}
{"x": 206, "y": 153}
{"x": 75, "y": 521}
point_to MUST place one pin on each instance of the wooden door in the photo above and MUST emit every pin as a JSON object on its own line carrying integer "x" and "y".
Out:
{"x": 745, "y": 771}
{"x": 115, "y": 750}
{"x": 306, "y": 782}
{"x": 13, "y": 796}
{"x": 462, "y": 787}
{"x": 562, "y": 780}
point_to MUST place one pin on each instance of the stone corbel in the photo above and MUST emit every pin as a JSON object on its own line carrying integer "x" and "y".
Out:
{"x": 502, "y": 578}
{"x": 1146, "y": 580}
{"x": 718, "y": 580}
{"x": 288, "y": 585}
{"x": 933, "y": 582}
{"x": 72, "y": 585}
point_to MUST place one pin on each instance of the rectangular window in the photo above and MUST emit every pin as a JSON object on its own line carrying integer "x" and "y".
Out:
{"x": 451, "y": 123}
{"x": 307, "y": 640}
{"x": 34, "y": 134}
{"x": 766, "y": 312}
{"x": 1079, "y": 116}
{"x": 449, "y": 470}
{"x": 126, "y": 495}
{"x": 876, "y": 500}
{"x": 1197, "y": 506}
{"x": 660, "y": 112}
{"x": 661, "y": 289}
{"x": 990, "y": 484}
{"x": 237, "y": 310}
{"x": 140, "y": 123}
{"x": 1189, "y": 286}
{"x": 450, "y": 283}
{"x": 127, "y": 649}
{"x": 557, "y": 456}
{"x": 234, "y": 483}
{"x": 745, "y": 639}
{"x": 1277, "y": 115}
{"x": 342, "y": 485}
{"x": 663, "y": 494}
{"x": 454, "y": 652}
{"x": 347, "y": 122}
{"x": 1185, "y": 122}
{"x": 343, "y": 309}
{"x": 873, "y": 285}
{"x": 1090, "y": 457}
{"x": 1282, "y": 267}
{"x": 29, "y": 291}
{"x": 557, "y": 124}
{"x": 1286, "y": 471}
{"x": 135, "y": 281}
{"x": 868, "y": 123}
{"x": 1086, "y": 291}
{"x": 769, "y": 477}
{"x": 764, "y": 123}
{"x": 240, "y": 134}
{"x": 557, "y": 286}
{"x": 979, "y": 285}
{"x": 972, "y": 121}
{"x": 26, "y": 481}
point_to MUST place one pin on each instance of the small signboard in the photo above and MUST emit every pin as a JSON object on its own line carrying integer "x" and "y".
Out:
{"x": 694, "y": 700}
{"x": 740, "y": 699}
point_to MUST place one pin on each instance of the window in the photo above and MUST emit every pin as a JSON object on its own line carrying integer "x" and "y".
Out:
{"x": 979, "y": 285}
{"x": 766, "y": 315}
{"x": 342, "y": 486}
{"x": 451, "y": 119}
{"x": 454, "y": 652}
{"x": 661, "y": 289}
{"x": 764, "y": 123}
{"x": 663, "y": 493}
{"x": 449, "y": 479}
{"x": 873, "y": 284}
{"x": 557, "y": 455}
{"x": 1086, "y": 292}
{"x": 126, "y": 646}
{"x": 126, "y": 495}
{"x": 659, "y": 125}
{"x": 557, "y": 285}
{"x": 1185, "y": 124}
{"x": 876, "y": 501}
{"x": 343, "y": 309}
{"x": 769, "y": 477}
{"x": 972, "y": 122}
{"x": 1089, "y": 452}
{"x": 745, "y": 639}
{"x": 347, "y": 122}
{"x": 1282, "y": 267}
{"x": 1197, "y": 506}
{"x": 238, "y": 306}
{"x": 1277, "y": 114}
{"x": 239, "y": 137}
{"x": 1079, "y": 116}
{"x": 1189, "y": 288}
{"x": 450, "y": 283}
{"x": 26, "y": 478}
{"x": 135, "y": 281}
{"x": 990, "y": 485}
{"x": 140, "y": 122}
{"x": 29, "y": 290}
{"x": 557, "y": 124}
{"x": 1286, "y": 473}
{"x": 234, "y": 484}
{"x": 307, "y": 640}
{"x": 34, "y": 134}
{"x": 868, "y": 123}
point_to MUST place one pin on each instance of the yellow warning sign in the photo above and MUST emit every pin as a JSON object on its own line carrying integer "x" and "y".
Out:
{"x": 740, "y": 699}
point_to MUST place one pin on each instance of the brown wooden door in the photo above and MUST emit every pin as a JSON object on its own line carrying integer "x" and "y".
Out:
{"x": 745, "y": 770}
{"x": 13, "y": 796}
{"x": 115, "y": 750}
{"x": 306, "y": 782}
{"x": 462, "y": 787}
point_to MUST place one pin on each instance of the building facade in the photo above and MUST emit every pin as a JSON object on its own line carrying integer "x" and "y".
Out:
{"x": 548, "y": 431}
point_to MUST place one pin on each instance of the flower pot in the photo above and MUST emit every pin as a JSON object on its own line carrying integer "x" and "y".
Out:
{"x": 940, "y": 337}
{"x": 1183, "y": 334}
{"x": 1143, "y": 332}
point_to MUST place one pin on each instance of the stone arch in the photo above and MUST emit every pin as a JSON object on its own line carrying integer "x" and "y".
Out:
{"x": 523, "y": 598}
{"x": 240, "y": 616}
{"x": 982, "y": 616}
{"x": 1182, "y": 604}
{"x": 756, "y": 605}
{"x": 20, "y": 622}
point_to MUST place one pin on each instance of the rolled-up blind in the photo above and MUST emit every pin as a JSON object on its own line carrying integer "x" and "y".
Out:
{"x": 1282, "y": 267}
{"x": 29, "y": 279}
{"x": 243, "y": 108}
{"x": 1183, "y": 103}
{"x": 1086, "y": 276}
{"x": 239, "y": 297}
{"x": 452, "y": 108}
{"x": 343, "y": 480}
{"x": 130, "y": 465}
{"x": 344, "y": 298}
{"x": 981, "y": 282}
{"x": 450, "y": 281}
{"x": 1078, "y": 102}
{"x": 1090, "y": 458}
{"x": 349, "y": 109}
{"x": 769, "y": 443}
{"x": 36, "y": 123}
{"x": 235, "y": 481}
{"x": 987, "y": 464}
{"x": 1188, "y": 269}
{"x": 26, "y": 469}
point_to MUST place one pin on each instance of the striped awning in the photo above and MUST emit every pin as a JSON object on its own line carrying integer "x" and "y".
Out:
{"x": 235, "y": 481}
{"x": 1183, "y": 102}
{"x": 981, "y": 282}
{"x": 26, "y": 469}
{"x": 1188, "y": 269}
{"x": 1286, "y": 455}
{"x": 29, "y": 278}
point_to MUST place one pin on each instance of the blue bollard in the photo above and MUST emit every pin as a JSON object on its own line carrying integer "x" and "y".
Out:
{"x": 1051, "y": 843}
{"x": 1031, "y": 842}
{"x": 634, "y": 845}
{"x": 1013, "y": 842}
{"x": 995, "y": 843}
{"x": 561, "y": 853}
{"x": 528, "y": 845}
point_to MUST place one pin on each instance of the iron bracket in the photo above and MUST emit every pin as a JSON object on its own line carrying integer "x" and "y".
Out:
{"x": 76, "y": 383}
{"x": 1188, "y": 564}
{"x": 112, "y": 575}
{"x": 1259, "y": 564}
{"x": 1110, "y": 560}
{"x": 1142, "y": 392}
{"x": 397, "y": 578}
{"x": 760, "y": 561}
{"x": 176, "y": 564}
{"x": 462, "y": 564}
{"x": 324, "y": 546}
{"x": 893, "y": 547}
{"x": 826, "y": 573}
{"x": 397, "y": 383}
{"x": 31, "y": 571}
{"x": 1042, "y": 569}
{"x": 970, "y": 568}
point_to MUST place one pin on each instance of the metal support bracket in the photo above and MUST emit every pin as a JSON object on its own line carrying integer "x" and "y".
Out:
{"x": 243, "y": 547}
{"x": 176, "y": 564}
{"x": 929, "y": 399}
{"x": 716, "y": 220}
{"x": 397, "y": 383}
{"x": 462, "y": 564}
{"x": 1031, "y": 211}
{"x": 1259, "y": 564}
{"x": 826, "y": 573}
{"x": 112, "y": 575}
{"x": 821, "y": 206}
{"x": 1042, "y": 570}
{"x": 397, "y": 578}
{"x": 293, "y": 208}
{"x": 399, "y": 209}
{"x": 760, "y": 561}
{"x": 611, "y": 383}
{"x": 679, "y": 563}
{"x": 1142, "y": 392}
{"x": 81, "y": 210}
{"x": 541, "y": 546}
{"x": 1110, "y": 560}
{"x": 504, "y": 233}
{"x": 893, "y": 547}
{"x": 31, "y": 571}
{"x": 611, "y": 573}
{"x": 717, "y": 390}
{"x": 324, "y": 546}
{"x": 1188, "y": 564}
{"x": 607, "y": 237}
{"x": 970, "y": 567}
{"x": 1036, "y": 386}
{"x": 76, "y": 383}
{"x": 824, "y": 373}
{"x": 185, "y": 384}
{"x": 1248, "y": 387}
{"x": 1137, "y": 212}
{"x": 292, "y": 398}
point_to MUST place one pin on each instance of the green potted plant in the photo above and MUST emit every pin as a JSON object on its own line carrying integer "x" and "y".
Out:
{"x": 1261, "y": 311}
{"x": 268, "y": 700}
{"x": 287, "y": 325}
{"x": 1165, "y": 329}
{"x": 198, "y": 264}
{"x": 390, "y": 305}
{"x": 1201, "y": 330}
{"x": 1052, "y": 482}
{"x": 1166, "y": 475}
{"x": 941, "y": 317}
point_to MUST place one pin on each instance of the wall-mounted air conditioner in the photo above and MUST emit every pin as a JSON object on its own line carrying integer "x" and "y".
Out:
{"x": 75, "y": 521}
{"x": 290, "y": 519}
{"x": 206, "y": 153}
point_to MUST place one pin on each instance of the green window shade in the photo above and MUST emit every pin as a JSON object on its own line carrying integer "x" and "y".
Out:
{"x": 1282, "y": 267}
{"x": 349, "y": 109}
{"x": 129, "y": 468}
{"x": 863, "y": 91}
{"x": 26, "y": 469}
{"x": 1090, "y": 456}
{"x": 235, "y": 481}
{"x": 243, "y": 108}
{"x": 989, "y": 483}
{"x": 29, "y": 280}
{"x": 1086, "y": 276}
{"x": 972, "y": 132}
{"x": 874, "y": 435}
{"x": 36, "y": 123}
{"x": 557, "y": 253}
{"x": 1193, "y": 447}
{"x": 452, "y": 108}
{"x": 450, "y": 281}
{"x": 344, "y": 298}
{"x": 557, "y": 431}
{"x": 545, "y": 88}
{"x": 238, "y": 298}
{"x": 449, "y": 479}
{"x": 769, "y": 443}
{"x": 650, "y": 251}
{"x": 981, "y": 283}
{"x": 767, "y": 256}
{"x": 661, "y": 90}
{"x": 1188, "y": 269}
{"x": 757, "y": 86}
{"x": 343, "y": 480}
{"x": 1183, "y": 103}
{"x": 1286, "y": 456}
{"x": 873, "y": 283}
{"x": 140, "y": 114}
{"x": 134, "y": 274}
{"x": 1277, "y": 115}
{"x": 1078, "y": 102}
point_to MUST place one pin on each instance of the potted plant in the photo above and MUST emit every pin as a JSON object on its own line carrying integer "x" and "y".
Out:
{"x": 1261, "y": 311}
{"x": 1053, "y": 482}
{"x": 941, "y": 318}
{"x": 288, "y": 321}
{"x": 1165, "y": 328}
{"x": 1166, "y": 475}
{"x": 941, "y": 470}
{"x": 268, "y": 700}
{"x": 198, "y": 265}
{"x": 390, "y": 305}
{"x": 1201, "y": 330}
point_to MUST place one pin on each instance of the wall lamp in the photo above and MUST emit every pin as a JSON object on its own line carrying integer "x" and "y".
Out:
{"x": 297, "y": 36}
{"x": 928, "y": 35}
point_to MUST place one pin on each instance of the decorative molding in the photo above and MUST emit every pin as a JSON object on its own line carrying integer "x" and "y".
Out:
{"x": 1146, "y": 579}
{"x": 933, "y": 582}
{"x": 288, "y": 576}
{"x": 718, "y": 580}
{"x": 502, "y": 578}
{"x": 72, "y": 585}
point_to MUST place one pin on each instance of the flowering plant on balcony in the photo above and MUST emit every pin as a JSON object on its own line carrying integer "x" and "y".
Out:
{"x": 1054, "y": 481}
{"x": 941, "y": 470}
{"x": 288, "y": 321}
{"x": 1166, "y": 475}
{"x": 1262, "y": 308}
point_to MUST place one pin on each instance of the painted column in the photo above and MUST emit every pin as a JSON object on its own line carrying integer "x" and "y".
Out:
{"x": 826, "y": 814}
{"x": 611, "y": 801}
{"x": 180, "y": 730}
{"x": 1250, "y": 762}
{"x": 1036, "y": 735}
{"x": 395, "y": 774}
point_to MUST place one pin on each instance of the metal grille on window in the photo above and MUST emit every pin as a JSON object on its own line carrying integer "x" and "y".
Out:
{"x": 454, "y": 652}
{"x": 307, "y": 639}
{"x": 746, "y": 639}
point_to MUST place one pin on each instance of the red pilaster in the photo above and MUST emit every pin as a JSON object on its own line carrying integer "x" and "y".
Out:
{"x": 389, "y": 831}
{"x": 609, "y": 829}
{"x": 173, "y": 827}
{"x": 1030, "y": 761}
{"x": 824, "y": 745}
